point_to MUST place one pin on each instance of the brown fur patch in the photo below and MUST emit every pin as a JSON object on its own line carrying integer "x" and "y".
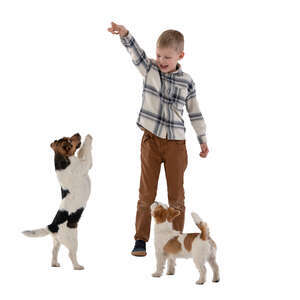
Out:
{"x": 188, "y": 240}
{"x": 72, "y": 225}
{"x": 172, "y": 246}
{"x": 160, "y": 214}
{"x": 67, "y": 146}
{"x": 172, "y": 214}
{"x": 204, "y": 231}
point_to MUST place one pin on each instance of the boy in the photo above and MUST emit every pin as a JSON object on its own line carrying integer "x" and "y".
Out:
{"x": 166, "y": 91}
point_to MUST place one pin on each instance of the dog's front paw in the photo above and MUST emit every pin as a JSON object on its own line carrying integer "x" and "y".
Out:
{"x": 55, "y": 265}
{"x": 88, "y": 141}
{"x": 156, "y": 274}
{"x": 79, "y": 267}
{"x": 200, "y": 281}
{"x": 89, "y": 138}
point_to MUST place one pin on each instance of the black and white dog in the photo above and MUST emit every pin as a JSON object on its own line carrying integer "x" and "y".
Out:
{"x": 72, "y": 172}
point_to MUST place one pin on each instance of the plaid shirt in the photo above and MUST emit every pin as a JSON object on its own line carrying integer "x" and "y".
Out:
{"x": 164, "y": 97}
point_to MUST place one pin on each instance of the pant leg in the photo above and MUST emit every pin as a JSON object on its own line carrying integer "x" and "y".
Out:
{"x": 175, "y": 161}
{"x": 150, "y": 169}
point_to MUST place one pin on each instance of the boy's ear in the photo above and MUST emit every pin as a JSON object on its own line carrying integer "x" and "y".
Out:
{"x": 181, "y": 55}
{"x": 172, "y": 214}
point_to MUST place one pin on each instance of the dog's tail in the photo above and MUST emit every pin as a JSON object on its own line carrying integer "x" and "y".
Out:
{"x": 37, "y": 233}
{"x": 202, "y": 226}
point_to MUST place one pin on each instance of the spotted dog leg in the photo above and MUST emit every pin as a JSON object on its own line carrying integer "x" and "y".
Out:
{"x": 74, "y": 218}
{"x": 60, "y": 218}
{"x": 56, "y": 246}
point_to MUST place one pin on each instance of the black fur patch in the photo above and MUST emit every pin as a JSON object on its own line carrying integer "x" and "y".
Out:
{"x": 64, "y": 193}
{"x": 61, "y": 217}
{"x": 60, "y": 161}
{"x": 74, "y": 218}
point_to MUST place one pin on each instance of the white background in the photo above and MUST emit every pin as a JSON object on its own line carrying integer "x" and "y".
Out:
{"x": 61, "y": 72}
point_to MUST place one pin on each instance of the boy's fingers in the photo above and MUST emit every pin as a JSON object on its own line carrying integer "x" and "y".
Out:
{"x": 203, "y": 154}
{"x": 204, "y": 151}
{"x": 115, "y": 26}
{"x": 113, "y": 31}
{"x": 117, "y": 29}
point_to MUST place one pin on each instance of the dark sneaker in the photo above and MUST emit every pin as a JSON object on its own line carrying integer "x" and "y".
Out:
{"x": 139, "y": 248}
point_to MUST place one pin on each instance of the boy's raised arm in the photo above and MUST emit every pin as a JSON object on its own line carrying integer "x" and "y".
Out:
{"x": 139, "y": 58}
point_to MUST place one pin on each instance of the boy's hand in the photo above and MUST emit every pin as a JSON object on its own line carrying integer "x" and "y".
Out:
{"x": 204, "y": 150}
{"x": 118, "y": 29}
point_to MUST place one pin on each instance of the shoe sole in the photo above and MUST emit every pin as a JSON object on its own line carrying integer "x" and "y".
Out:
{"x": 139, "y": 253}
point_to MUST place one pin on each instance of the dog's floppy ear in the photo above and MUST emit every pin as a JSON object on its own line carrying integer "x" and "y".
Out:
{"x": 52, "y": 145}
{"x": 77, "y": 139}
{"x": 160, "y": 214}
{"x": 76, "y": 136}
{"x": 172, "y": 214}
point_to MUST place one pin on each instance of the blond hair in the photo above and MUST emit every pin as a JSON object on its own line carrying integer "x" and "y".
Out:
{"x": 171, "y": 38}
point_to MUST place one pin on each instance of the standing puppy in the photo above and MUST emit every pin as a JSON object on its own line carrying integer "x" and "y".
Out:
{"x": 72, "y": 173}
{"x": 171, "y": 244}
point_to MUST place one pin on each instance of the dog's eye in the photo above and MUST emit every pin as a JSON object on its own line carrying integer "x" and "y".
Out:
{"x": 66, "y": 147}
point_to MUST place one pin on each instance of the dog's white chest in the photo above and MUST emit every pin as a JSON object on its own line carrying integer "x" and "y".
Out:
{"x": 77, "y": 183}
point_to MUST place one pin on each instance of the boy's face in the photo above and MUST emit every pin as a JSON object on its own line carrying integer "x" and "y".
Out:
{"x": 167, "y": 59}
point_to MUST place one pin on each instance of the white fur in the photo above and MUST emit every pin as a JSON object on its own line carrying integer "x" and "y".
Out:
{"x": 75, "y": 179}
{"x": 196, "y": 218}
{"x": 202, "y": 250}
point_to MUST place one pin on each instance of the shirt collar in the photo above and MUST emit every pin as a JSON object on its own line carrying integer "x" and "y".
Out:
{"x": 177, "y": 72}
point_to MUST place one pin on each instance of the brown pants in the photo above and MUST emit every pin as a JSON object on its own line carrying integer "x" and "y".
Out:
{"x": 173, "y": 154}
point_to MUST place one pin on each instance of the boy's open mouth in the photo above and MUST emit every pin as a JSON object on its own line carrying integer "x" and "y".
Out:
{"x": 163, "y": 66}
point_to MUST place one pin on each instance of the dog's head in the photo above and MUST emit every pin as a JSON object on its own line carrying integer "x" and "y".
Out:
{"x": 67, "y": 146}
{"x": 162, "y": 213}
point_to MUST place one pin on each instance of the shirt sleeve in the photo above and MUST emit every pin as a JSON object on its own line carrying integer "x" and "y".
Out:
{"x": 138, "y": 55}
{"x": 195, "y": 115}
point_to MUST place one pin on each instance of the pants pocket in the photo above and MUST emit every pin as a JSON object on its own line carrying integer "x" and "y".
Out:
{"x": 146, "y": 137}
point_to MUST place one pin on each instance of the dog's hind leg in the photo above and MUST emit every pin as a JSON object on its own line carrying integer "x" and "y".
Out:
{"x": 202, "y": 270}
{"x": 73, "y": 257}
{"x": 171, "y": 266}
{"x": 56, "y": 246}
{"x": 72, "y": 245}
{"x": 215, "y": 268}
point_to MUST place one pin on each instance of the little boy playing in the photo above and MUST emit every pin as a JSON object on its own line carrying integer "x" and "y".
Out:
{"x": 167, "y": 89}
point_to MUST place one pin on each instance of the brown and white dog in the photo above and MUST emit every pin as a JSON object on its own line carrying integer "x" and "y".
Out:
{"x": 171, "y": 244}
{"x": 72, "y": 173}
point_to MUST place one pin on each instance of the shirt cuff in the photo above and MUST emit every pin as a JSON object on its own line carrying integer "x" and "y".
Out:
{"x": 202, "y": 139}
{"x": 126, "y": 40}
